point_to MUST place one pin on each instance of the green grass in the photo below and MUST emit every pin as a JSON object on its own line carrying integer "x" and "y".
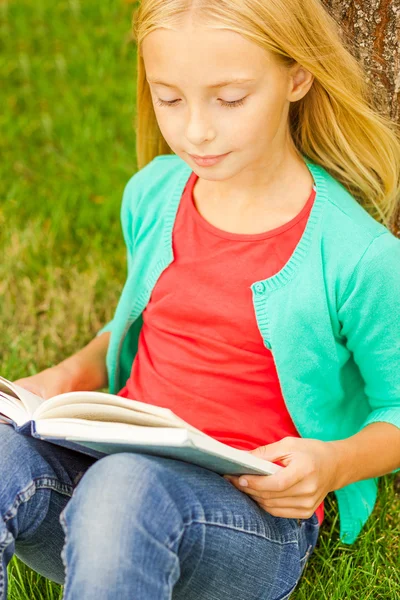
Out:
{"x": 67, "y": 149}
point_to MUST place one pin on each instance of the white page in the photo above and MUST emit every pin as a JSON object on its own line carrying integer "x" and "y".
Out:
{"x": 91, "y": 411}
{"x": 102, "y": 398}
{"x": 29, "y": 401}
{"x": 11, "y": 410}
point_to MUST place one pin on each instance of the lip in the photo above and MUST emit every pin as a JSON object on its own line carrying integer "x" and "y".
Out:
{"x": 207, "y": 157}
{"x": 207, "y": 161}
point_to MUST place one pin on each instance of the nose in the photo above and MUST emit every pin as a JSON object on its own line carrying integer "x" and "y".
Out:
{"x": 199, "y": 127}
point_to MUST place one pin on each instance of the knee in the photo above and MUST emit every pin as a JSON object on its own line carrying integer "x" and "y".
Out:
{"x": 117, "y": 495}
{"x": 104, "y": 488}
{"x": 113, "y": 490}
{"x": 120, "y": 520}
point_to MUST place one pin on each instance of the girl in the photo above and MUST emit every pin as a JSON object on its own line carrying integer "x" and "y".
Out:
{"x": 261, "y": 304}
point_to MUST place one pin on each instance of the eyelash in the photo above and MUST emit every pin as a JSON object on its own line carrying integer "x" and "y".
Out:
{"x": 232, "y": 104}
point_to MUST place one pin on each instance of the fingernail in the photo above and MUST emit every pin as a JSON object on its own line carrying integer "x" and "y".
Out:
{"x": 243, "y": 482}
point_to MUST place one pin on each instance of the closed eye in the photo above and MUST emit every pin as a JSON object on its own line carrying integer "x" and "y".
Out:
{"x": 232, "y": 104}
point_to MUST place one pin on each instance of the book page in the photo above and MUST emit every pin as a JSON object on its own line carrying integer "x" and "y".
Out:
{"x": 105, "y": 398}
{"x": 11, "y": 410}
{"x": 133, "y": 409}
{"x": 106, "y": 412}
{"x": 22, "y": 397}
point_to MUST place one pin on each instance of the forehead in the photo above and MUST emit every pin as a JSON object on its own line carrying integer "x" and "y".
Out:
{"x": 202, "y": 53}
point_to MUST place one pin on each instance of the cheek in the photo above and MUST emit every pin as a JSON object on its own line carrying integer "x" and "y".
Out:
{"x": 257, "y": 123}
{"x": 262, "y": 128}
{"x": 169, "y": 126}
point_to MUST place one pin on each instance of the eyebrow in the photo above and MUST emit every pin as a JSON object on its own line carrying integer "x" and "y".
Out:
{"x": 214, "y": 85}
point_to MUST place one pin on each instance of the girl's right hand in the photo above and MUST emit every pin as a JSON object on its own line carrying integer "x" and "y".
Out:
{"x": 50, "y": 382}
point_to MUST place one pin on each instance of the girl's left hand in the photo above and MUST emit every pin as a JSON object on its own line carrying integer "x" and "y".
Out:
{"x": 310, "y": 472}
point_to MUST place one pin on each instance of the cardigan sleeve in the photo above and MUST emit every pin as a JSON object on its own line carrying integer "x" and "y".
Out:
{"x": 126, "y": 223}
{"x": 370, "y": 320}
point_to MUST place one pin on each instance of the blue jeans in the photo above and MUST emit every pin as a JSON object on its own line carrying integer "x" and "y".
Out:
{"x": 141, "y": 526}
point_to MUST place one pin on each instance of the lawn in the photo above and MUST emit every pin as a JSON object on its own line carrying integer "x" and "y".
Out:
{"x": 67, "y": 150}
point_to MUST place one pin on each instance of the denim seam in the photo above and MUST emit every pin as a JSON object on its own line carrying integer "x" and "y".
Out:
{"x": 63, "y": 523}
{"x": 3, "y": 545}
{"x": 291, "y": 591}
{"x": 35, "y": 484}
{"x": 280, "y": 541}
{"x": 307, "y": 554}
{"x": 303, "y": 563}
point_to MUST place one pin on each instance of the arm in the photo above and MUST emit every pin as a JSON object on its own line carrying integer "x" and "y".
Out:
{"x": 372, "y": 452}
{"x": 87, "y": 367}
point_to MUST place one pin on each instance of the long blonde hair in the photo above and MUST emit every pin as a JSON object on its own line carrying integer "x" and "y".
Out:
{"x": 336, "y": 124}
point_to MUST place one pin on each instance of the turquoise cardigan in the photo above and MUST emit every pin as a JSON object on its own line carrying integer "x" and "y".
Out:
{"x": 330, "y": 316}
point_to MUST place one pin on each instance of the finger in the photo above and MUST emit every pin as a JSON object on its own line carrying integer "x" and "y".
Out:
{"x": 280, "y": 482}
{"x": 259, "y": 488}
{"x": 288, "y": 513}
{"x": 289, "y": 510}
{"x": 276, "y": 451}
{"x": 288, "y": 501}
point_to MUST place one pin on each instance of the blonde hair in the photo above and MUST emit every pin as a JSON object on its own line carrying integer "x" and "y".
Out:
{"x": 336, "y": 124}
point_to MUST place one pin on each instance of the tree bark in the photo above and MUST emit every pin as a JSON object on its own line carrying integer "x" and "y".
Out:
{"x": 372, "y": 28}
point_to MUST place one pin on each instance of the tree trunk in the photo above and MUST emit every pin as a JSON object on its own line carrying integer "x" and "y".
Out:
{"x": 373, "y": 29}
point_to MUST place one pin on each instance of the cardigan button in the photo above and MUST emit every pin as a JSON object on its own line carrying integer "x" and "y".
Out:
{"x": 259, "y": 287}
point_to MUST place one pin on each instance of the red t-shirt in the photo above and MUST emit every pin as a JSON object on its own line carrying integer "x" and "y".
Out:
{"x": 200, "y": 352}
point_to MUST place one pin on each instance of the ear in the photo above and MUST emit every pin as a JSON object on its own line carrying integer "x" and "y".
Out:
{"x": 300, "y": 81}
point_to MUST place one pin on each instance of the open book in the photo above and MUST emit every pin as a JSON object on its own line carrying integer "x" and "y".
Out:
{"x": 97, "y": 423}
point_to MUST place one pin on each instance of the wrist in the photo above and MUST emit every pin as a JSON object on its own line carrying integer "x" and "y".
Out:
{"x": 83, "y": 375}
{"x": 87, "y": 368}
{"x": 342, "y": 464}
{"x": 70, "y": 370}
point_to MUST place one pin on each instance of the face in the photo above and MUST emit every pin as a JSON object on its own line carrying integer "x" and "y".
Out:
{"x": 247, "y": 120}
